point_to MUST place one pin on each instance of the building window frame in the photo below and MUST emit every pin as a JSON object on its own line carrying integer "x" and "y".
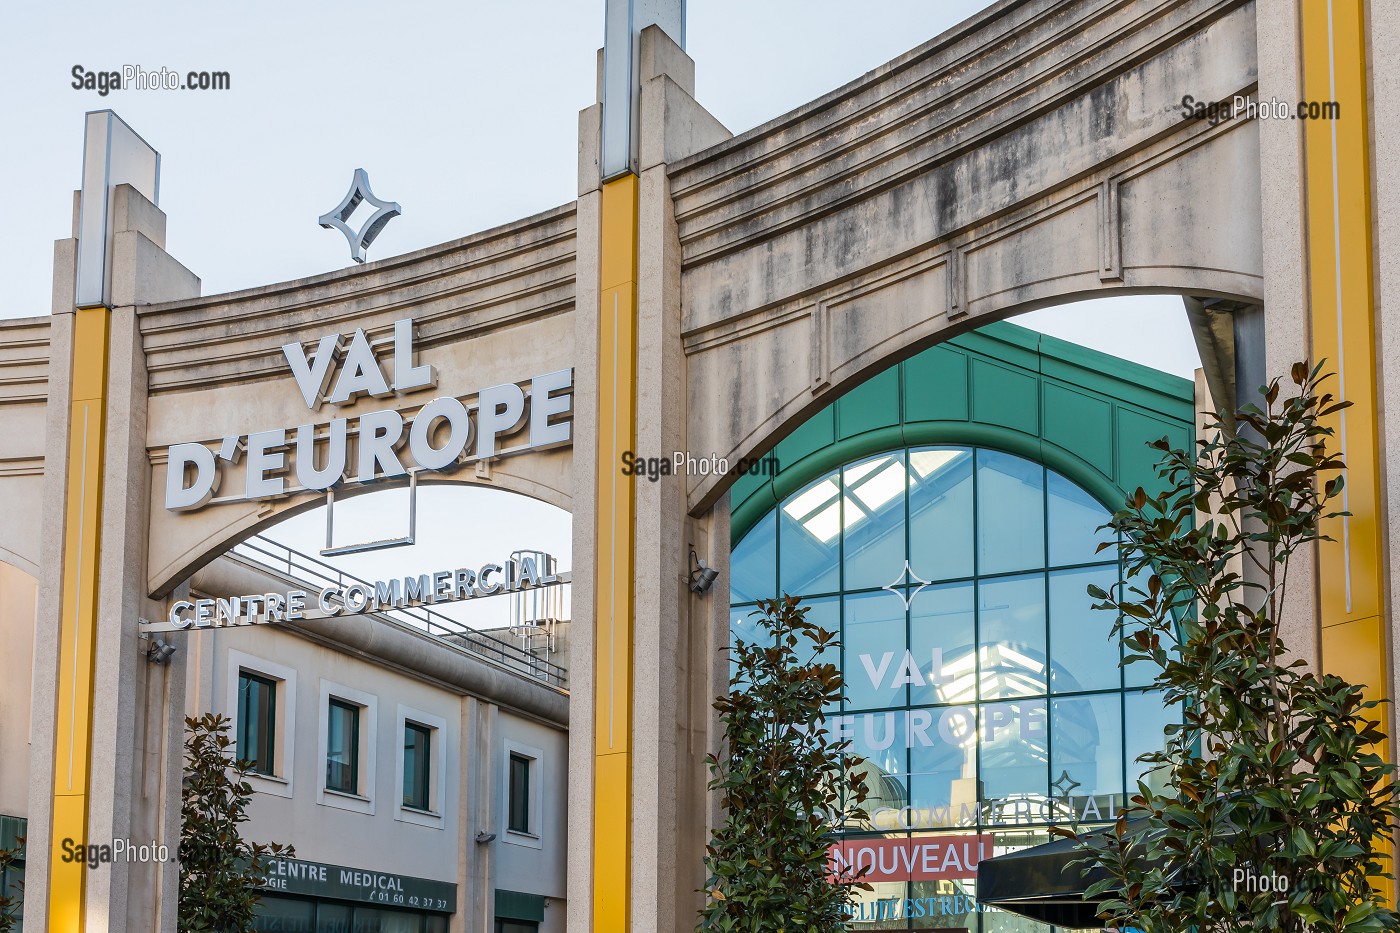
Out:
{"x": 534, "y": 758}
{"x": 263, "y": 757}
{"x": 343, "y": 711}
{"x": 438, "y": 779}
{"x": 281, "y": 782}
{"x": 365, "y": 758}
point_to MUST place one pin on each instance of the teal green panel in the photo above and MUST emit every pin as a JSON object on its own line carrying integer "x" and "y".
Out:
{"x": 12, "y": 829}
{"x": 1137, "y": 463}
{"x": 872, "y": 404}
{"x": 513, "y": 905}
{"x": 746, "y": 485}
{"x": 935, "y": 386}
{"x": 1009, "y": 343}
{"x": 1004, "y": 396}
{"x": 811, "y": 436}
{"x": 1081, "y": 424}
{"x": 1119, "y": 379}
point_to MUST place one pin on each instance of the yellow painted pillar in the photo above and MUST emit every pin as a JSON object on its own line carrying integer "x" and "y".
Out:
{"x": 78, "y": 626}
{"x": 613, "y": 602}
{"x": 1355, "y": 640}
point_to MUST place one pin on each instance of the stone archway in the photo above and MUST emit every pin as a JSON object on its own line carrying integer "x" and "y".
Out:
{"x": 1035, "y": 154}
{"x": 964, "y": 182}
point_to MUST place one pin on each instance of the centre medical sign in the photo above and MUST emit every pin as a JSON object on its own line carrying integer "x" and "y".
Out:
{"x": 317, "y": 879}
{"x": 446, "y": 433}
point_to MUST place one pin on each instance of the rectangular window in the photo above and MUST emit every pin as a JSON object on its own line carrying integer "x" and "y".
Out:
{"x": 417, "y": 747}
{"x": 257, "y": 718}
{"x": 343, "y": 747}
{"x": 518, "y": 817}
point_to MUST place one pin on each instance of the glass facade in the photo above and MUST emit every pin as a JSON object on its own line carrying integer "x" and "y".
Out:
{"x": 985, "y": 695}
{"x": 320, "y": 915}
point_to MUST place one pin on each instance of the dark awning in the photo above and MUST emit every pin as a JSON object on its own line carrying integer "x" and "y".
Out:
{"x": 1040, "y": 884}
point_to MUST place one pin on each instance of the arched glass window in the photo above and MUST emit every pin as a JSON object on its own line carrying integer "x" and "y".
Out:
{"x": 985, "y": 695}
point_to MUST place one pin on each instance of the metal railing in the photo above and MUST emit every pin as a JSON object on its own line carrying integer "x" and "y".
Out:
{"x": 276, "y": 557}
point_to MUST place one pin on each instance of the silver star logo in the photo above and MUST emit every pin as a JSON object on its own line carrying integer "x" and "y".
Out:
{"x": 1064, "y": 784}
{"x": 906, "y": 576}
{"x": 384, "y": 211}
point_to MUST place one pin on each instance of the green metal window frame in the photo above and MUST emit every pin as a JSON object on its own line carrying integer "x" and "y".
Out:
{"x": 1085, "y": 415}
{"x": 349, "y": 782}
{"x": 518, "y": 808}
{"x": 417, "y": 766}
{"x": 261, "y": 721}
{"x": 977, "y": 703}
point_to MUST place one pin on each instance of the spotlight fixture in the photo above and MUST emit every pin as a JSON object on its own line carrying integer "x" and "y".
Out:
{"x": 159, "y": 651}
{"x": 702, "y": 575}
{"x": 484, "y": 837}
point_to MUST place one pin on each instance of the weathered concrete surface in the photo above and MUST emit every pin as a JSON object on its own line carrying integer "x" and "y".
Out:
{"x": 1035, "y": 154}
{"x": 490, "y": 309}
{"x": 24, "y": 377}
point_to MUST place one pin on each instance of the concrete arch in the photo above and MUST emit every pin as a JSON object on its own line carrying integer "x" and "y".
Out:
{"x": 248, "y": 521}
{"x": 488, "y": 309}
{"x": 974, "y": 178}
{"x": 19, "y": 562}
{"x": 1085, "y": 415}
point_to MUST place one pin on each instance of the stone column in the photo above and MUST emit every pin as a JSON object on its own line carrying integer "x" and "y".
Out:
{"x": 136, "y": 706}
{"x": 677, "y": 668}
{"x": 1286, "y": 313}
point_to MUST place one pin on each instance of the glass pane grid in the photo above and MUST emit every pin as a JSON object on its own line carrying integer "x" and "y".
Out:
{"x": 984, "y": 694}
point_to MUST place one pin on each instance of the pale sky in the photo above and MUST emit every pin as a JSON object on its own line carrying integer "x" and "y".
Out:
{"x": 465, "y": 113}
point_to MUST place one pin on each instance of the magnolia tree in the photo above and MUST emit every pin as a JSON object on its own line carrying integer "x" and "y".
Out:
{"x": 784, "y": 783}
{"x": 220, "y": 872}
{"x": 10, "y": 901}
{"x": 1275, "y": 807}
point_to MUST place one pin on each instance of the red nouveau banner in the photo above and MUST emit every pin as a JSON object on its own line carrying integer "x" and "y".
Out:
{"x": 922, "y": 858}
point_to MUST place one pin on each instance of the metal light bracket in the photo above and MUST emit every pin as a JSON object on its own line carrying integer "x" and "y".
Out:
{"x": 332, "y": 551}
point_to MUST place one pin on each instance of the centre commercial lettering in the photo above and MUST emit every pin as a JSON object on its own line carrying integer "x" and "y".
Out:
{"x": 445, "y": 434}
{"x": 424, "y": 589}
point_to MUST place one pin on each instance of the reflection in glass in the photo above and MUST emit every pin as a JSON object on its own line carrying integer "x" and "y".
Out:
{"x": 1073, "y": 518}
{"x": 283, "y": 913}
{"x": 826, "y": 612}
{"x": 1010, "y": 513}
{"x": 1088, "y": 738}
{"x": 753, "y": 565}
{"x": 1015, "y": 755}
{"x": 1082, "y": 642}
{"x": 332, "y": 918}
{"x": 877, "y": 672}
{"x": 1138, "y": 673}
{"x": 966, "y": 665}
{"x": 810, "y": 533}
{"x": 873, "y": 520}
{"x": 876, "y": 909}
{"x": 942, "y": 637}
{"x": 943, "y": 773}
{"x": 940, "y": 512}
{"x": 1145, "y": 724}
{"x": 1011, "y": 614}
